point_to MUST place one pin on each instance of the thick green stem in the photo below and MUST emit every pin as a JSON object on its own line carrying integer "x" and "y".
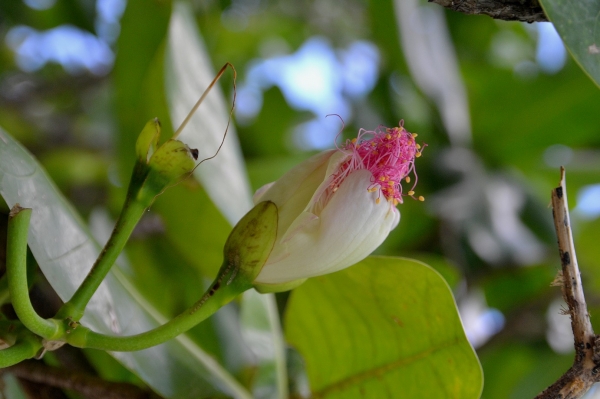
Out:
{"x": 130, "y": 215}
{"x": 26, "y": 347}
{"x": 224, "y": 289}
{"x": 4, "y": 294}
{"x": 16, "y": 270}
{"x": 246, "y": 251}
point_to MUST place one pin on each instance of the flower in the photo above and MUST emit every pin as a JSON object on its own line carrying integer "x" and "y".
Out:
{"x": 335, "y": 208}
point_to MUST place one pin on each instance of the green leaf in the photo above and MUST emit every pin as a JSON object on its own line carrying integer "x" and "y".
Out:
{"x": 577, "y": 23}
{"x": 262, "y": 333}
{"x": 386, "y": 325}
{"x": 188, "y": 74}
{"x": 65, "y": 252}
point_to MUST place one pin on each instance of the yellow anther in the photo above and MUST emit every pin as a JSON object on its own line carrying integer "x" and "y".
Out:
{"x": 378, "y": 200}
{"x": 418, "y": 146}
{"x": 407, "y": 179}
{"x": 353, "y": 140}
{"x": 414, "y": 134}
{"x": 372, "y": 189}
{"x": 388, "y": 136}
{"x": 396, "y": 202}
{"x": 418, "y": 154}
{"x": 381, "y": 178}
{"x": 421, "y": 198}
{"x": 411, "y": 192}
{"x": 391, "y": 183}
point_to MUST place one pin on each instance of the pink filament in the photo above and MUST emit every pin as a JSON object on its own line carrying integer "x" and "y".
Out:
{"x": 388, "y": 153}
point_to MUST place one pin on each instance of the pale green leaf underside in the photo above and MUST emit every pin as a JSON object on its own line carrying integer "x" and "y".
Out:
{"x": 577, "y": 23}
{"x": 188, "y": 74}
{"x": 384, "y": 328}
{"x": 65, "y": 252}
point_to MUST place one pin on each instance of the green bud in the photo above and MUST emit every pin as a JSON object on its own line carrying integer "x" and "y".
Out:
{"x": 250, "y": 244}
{"x": 147, "y": 140}
{"x": 171, "y": 162}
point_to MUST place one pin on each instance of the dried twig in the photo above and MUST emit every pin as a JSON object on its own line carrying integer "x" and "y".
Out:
{"x": 508, "y": 10}
{"x": 90, "y": 386}
{"x": 584, "y": 372}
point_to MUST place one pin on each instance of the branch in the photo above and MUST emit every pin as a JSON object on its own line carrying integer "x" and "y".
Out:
{"x": 508, "y": 10}
{"x": 584, "y": 372}
{"x": 90, "y": 386}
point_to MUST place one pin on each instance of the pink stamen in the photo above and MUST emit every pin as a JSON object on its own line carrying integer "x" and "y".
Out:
{"x": 388, "y": 153}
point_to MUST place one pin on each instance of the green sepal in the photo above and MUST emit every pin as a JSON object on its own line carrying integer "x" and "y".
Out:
{"x": 147, "y": 140}
{"x": 273, "y": 288}
{"x": 170, "y": 162}
{"x": 251, "y": 241}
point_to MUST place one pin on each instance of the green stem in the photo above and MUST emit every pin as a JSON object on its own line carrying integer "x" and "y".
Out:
{"x": 16, "y": 270}
{"x": 4, "y": 294}
{"x": 224, "y": 289}
{"x": 26, "y": 347}
{"x": 130, "y": 215}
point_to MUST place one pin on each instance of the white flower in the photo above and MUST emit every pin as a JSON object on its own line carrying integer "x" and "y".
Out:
{"x": 335, "y": 208}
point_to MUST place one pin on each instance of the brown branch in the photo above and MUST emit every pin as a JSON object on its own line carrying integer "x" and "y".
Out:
{"x": 89, "y": 386}
{"x": 508, "y": 10}
{"x": 584, "y": 372}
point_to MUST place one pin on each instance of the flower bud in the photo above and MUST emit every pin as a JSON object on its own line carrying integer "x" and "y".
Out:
{"x": 157, "y": 168}
{"x": 335, "y": 208}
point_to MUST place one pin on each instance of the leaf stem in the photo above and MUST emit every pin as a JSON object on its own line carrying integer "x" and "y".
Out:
{"x": 224, "y": 289}
{"x": 130, "y": 215}
{"x": 27, "y": 346}
{"x": 16, "y": 270}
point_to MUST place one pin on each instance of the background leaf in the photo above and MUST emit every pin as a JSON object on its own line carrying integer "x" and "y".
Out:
{"x": 577, "y": 22}
{"x": 386, "y": 327}
{"x": 65, "y": 251}
{"x": 188, "y": 74}
{"x": 262, "y": 333}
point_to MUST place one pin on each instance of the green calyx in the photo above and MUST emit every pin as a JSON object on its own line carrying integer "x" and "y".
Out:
{"x": 147, "y": 140}
{"x": 157, "y": 168}
{"x": 251, "y": 241}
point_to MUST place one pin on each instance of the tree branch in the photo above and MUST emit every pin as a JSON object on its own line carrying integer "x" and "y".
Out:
{"x": 584, "y": 372}
{"x": 508, "y": 10}
{"x": 90, "y": 386}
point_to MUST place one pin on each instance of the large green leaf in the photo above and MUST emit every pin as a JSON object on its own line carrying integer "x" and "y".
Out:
{"x": 261, "y": 330}
{"x": 386, "y": 327}
{"x": 65, "y": 251}
{"x": 188, "y": 74}
{"x": 577, "y": 23}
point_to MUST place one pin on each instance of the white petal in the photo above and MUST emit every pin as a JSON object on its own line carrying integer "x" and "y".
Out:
{"x": 257, "y": 197}
{"x": 350, "y": 227}
{"x": 293, "y": 191}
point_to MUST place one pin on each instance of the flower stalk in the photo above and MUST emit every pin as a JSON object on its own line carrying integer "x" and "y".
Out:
{"x": 153, "y": 172}
{"x": 16, "y": 271}
{"x": 246, "y": 251}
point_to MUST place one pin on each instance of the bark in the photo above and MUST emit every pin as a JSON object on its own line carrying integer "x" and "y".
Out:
{"x": 507, "y": 10}
{"x": 584, "y": 372}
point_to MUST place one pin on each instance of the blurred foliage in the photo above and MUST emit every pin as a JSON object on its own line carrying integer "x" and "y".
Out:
{"x": 481, "y": 201}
